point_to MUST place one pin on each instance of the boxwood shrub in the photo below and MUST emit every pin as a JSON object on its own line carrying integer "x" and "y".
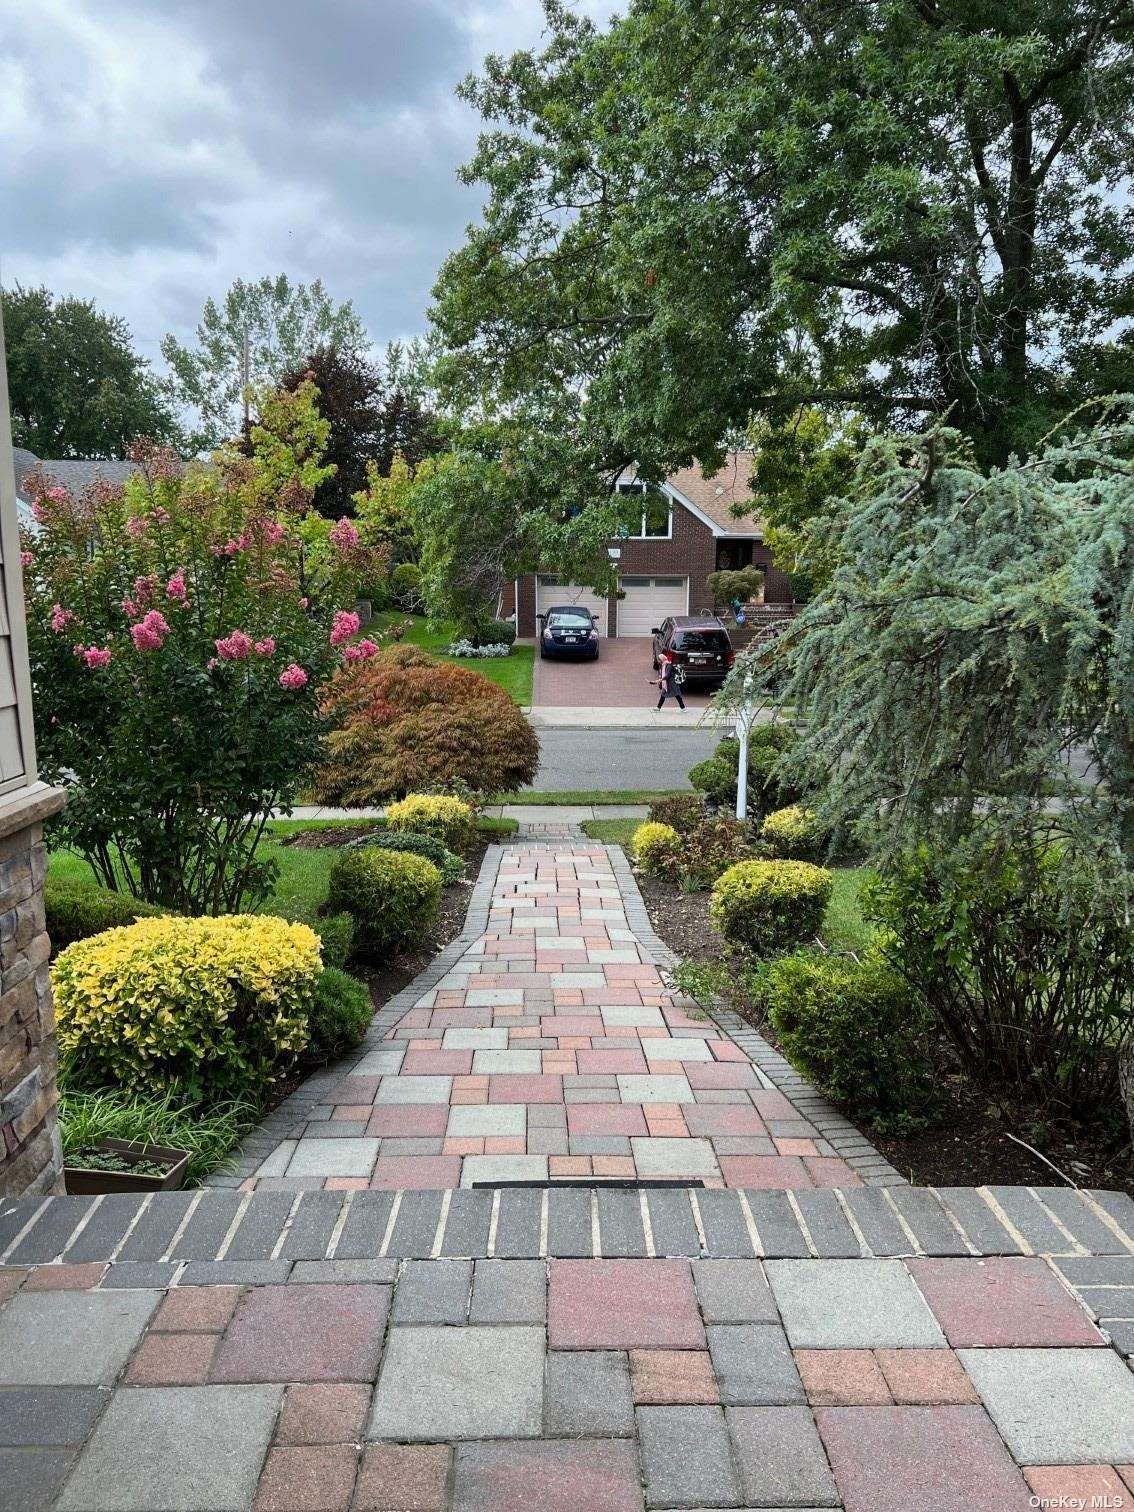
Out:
{"x": 764, "y": 907}
{"x": 392, "y": 897}
{"x": 716, "y": 779}
{"x": 340, "y": 1015}
{"x": 450, "y": 865}
{"x": 794, "y": 834}
{"x": 336, "y": 931}
{"x": 857, "y": 1030}
{"x": 214, "y": 1004}
{"x": 75, "y": 911}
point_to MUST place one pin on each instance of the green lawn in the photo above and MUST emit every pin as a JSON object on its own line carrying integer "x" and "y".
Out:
{"x": 513, "y": 673}
{"x": 611, "y": 831}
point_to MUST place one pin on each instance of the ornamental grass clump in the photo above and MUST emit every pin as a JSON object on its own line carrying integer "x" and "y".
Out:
{"x": 216, "y": 1006}
{"x": 179, "y": 631}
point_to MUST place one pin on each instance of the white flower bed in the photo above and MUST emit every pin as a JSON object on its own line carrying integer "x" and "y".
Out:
{"x": 466, "y": 648}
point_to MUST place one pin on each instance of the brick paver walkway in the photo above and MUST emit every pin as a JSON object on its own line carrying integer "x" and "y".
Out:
{"x": 551, "y": 1049}
{"x": 564, "y": 1348}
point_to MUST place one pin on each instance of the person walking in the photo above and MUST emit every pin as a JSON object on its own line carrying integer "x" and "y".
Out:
{"x": 668, "y": 684}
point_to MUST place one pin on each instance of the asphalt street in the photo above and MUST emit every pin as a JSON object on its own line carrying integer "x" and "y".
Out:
{"x": 620, "y": 758}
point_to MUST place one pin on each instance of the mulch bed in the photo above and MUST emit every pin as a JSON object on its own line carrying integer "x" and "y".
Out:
{"x": 971, "y": 1146}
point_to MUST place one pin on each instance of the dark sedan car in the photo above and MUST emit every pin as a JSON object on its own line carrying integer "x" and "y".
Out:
{"x": 569, "y": 630}
{"x": 699, "y": 645}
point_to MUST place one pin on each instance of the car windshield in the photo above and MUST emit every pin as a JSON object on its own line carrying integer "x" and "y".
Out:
{"x": 569, "y": 619}
{"x": 701, "y": 640}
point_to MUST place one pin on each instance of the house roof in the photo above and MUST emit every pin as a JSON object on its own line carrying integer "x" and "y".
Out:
{"x": 73, "y": 473}
{"x": 716, "y": 498}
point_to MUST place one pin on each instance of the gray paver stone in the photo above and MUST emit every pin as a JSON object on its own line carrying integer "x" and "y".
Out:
{"x": 29, "y": 1479}
{"x": 48, "y": 1415}
{"x": 734, "y": 1291}
{"x": 686, "y": 1457}
{"x": 1057, "y": 1406}
{"x": 176, "y": 1449}
{"x": 588, "y": 1394}
{"x": 852, "y": 1304}
{"x": 460, "y": 1383}
{"x": 781, "y": 1457}
{"x": 70, "y": 1338}
{"x": 433, "y": 1291}
{"x": 754, "y": 1364}
{"x": 509, "y": 1291}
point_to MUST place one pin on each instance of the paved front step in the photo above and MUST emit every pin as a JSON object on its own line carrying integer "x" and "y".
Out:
{"x": 221, "y": 1232}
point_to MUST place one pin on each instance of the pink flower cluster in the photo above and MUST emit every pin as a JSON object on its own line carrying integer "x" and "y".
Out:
{"x": 175, "y": 589}
{"x": 346, "y": 624}
{"x": 293, "y": 677}
{"x": 26, "y": 558}
{"x": 60, "y": 618}
{"x": 58, "y": 494}
{"x": 344, "y": 536}
{"x": 94, "y": 656}
{"x": 149, "y": 633}
{"x": 267, "y": 646}
{"x": 360, "y": 651}
{"x": 145, "y": 588}
{"x": 136, "y": 527}
{"x": 236, "y": 646}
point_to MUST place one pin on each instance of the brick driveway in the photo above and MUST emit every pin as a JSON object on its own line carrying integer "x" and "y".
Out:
{"x": 620, "y": 679}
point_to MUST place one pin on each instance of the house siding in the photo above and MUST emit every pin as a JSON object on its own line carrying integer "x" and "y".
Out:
{"x": 691, "y": 551}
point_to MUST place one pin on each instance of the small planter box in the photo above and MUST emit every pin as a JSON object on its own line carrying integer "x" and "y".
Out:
{"x": 83, "y": 1182}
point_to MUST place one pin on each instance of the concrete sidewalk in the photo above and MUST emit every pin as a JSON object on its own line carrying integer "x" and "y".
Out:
{"x": 525, "y": 813}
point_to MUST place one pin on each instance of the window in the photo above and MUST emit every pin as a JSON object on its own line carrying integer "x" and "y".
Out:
{"x": 733, "y": 556}
{"x": 655, "y": 520}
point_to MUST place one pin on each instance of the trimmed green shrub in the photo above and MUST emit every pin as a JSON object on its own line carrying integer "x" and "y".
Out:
{"x": 793, "y": 834}
{"x": 764, "y": 907}
{"x": 393, "y": 897}
{"x": 75, "y": 912}
{"x": 336, "y": 931}
{"x": 449, "y": 820}
{"x": 683, "y": 812}
{"x": 495, "y": 633}
{"x": 716, "y": 779}
{"x": 767, "y": 791}
{"x": 658, "y": 849}
{"x": 858, "y": 1031}
{"x": 340, "y": 1015}
{"x": 215, "y": 1004}
{"x": 450, "y": 865}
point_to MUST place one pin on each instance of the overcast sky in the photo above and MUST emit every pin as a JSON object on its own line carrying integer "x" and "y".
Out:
{"x": 151, "y": 151}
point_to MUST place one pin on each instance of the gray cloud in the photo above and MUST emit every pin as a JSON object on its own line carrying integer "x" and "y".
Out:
{"x": 155, "y": 150}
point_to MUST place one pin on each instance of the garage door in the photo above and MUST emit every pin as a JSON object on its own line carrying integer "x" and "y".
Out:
{"x": 550, "y": 591}
{"x": 648, "y": 601}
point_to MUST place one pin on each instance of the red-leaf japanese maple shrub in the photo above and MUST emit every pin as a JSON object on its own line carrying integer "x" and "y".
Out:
{"x": 405, "y": 722}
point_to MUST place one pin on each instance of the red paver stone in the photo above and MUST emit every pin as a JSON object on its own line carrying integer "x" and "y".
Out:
{"x": 771, "y": 1104}
{"x": 720, "y": 1076}
{"x": 623, "y": 1304}
{"x": 706, "y": 1119}
{"x": 197, "y": 1309}
{"x": 331, "y": 1414}
{"x": 65, "y": 1277}
{"x": 172, "y": 1360}
{"x": 827, "y": 1171}
{"x": 10, "y": 1278}
{"x": 672, "y": 1377}
{"x": 525, "y": 1089}
{"x": 1079, "y": 1486}
{"x": 764, "y": 1171}
{"x": 841, "y": 1378}
{"x": 1002, "y": 1302}
{"x": 596, "y": 1476}
{"x": 611, "y": 1063}
{"x": 305, "y": 1333}
{"x": 408, "y": 1121}
{"x": 895, "y": 1459}
{"x": 571, "y": 1025}
{"x": 419, "y": 1172}
{"x": 307, "y": 1480}
{"x": 403, "y": 1478}
{"x": 926, "y": 1376}
{"x": 436, "y": 1063}
{"x": 605, "y": 1118}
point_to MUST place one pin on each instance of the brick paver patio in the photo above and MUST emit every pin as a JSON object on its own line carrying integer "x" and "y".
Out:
{"x": 323, "y": 1342}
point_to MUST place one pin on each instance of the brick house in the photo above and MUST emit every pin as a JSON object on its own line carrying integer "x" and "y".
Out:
{"x": 687, "y": 529}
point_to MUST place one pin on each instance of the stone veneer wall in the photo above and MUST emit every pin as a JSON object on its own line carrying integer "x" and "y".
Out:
{"x": 30, "y": 1153}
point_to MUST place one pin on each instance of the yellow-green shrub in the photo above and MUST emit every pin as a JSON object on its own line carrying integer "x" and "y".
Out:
{"x": 657, "y": 848}
{"x": 393, "y": 897}
{"x": 214, "y": 1003}
{"x": 767, "y": 906}
{"x": 450, "y": 820}
{"x": 793, "y": 833}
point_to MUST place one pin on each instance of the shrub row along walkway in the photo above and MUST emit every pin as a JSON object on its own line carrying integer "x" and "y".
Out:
{"x": 290, "y": 1348}
{"x": 549, "y": 1048}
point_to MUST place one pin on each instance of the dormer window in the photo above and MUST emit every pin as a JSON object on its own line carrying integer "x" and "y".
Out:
{"x": 655, "y": 518}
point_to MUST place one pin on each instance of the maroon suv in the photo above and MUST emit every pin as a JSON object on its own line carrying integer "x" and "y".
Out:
{"x": 698, "y": 644}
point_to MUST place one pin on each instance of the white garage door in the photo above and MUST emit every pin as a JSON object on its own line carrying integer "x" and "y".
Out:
{"x": 648, "y": 601}
{"x": 550, "y": 592}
